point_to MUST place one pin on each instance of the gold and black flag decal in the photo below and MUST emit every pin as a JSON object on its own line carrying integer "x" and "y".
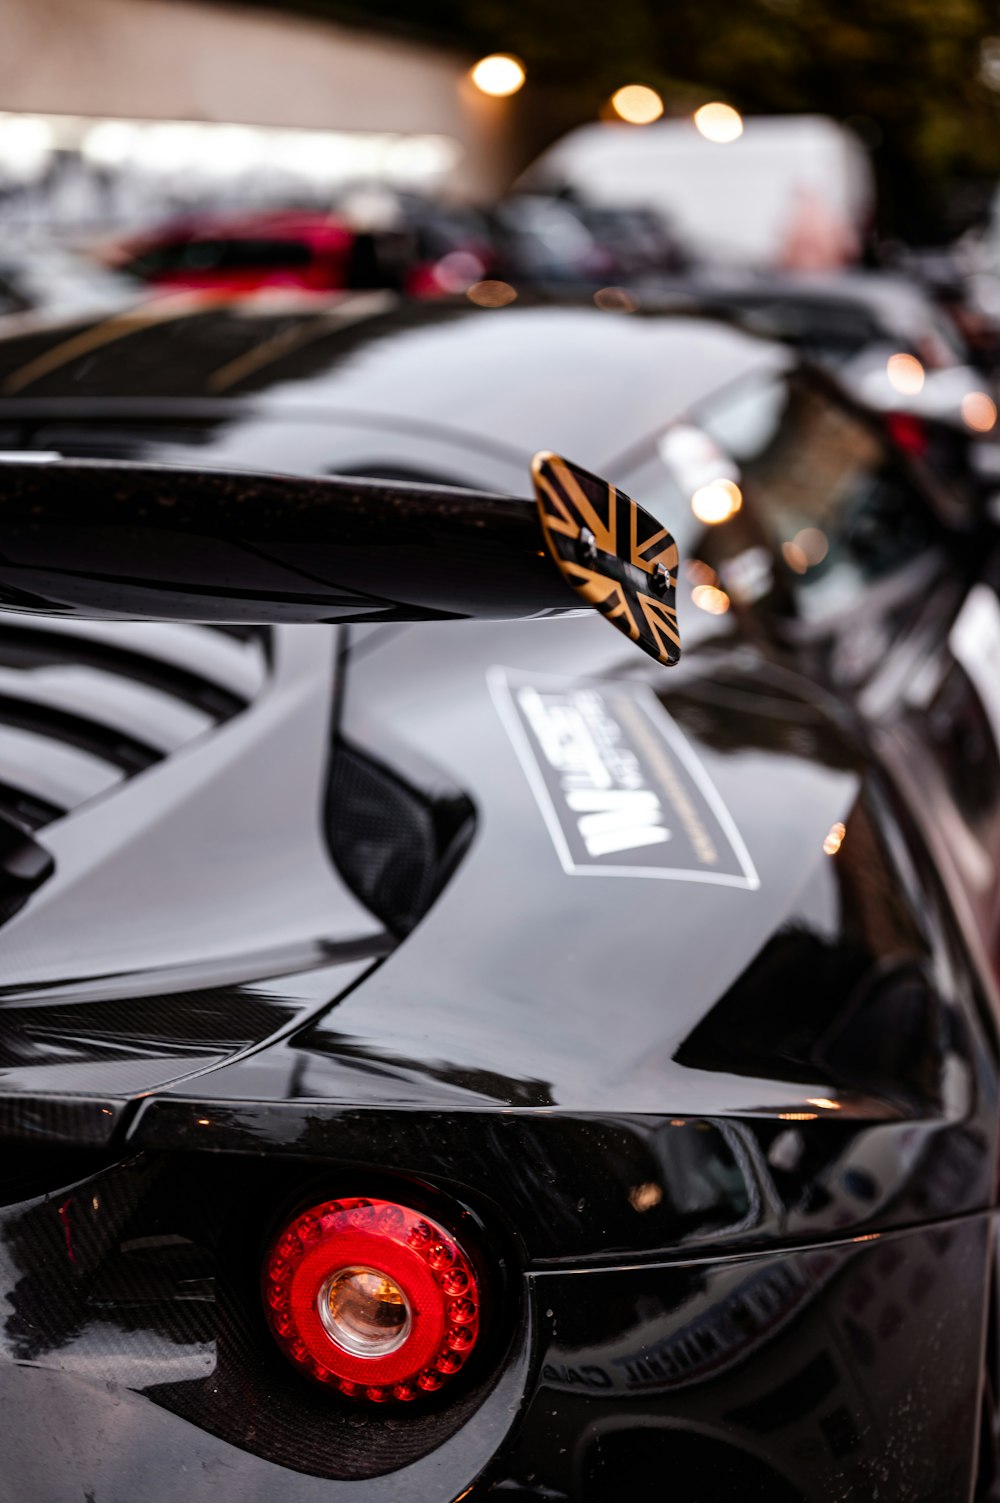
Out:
{"x": 611, "y": 552}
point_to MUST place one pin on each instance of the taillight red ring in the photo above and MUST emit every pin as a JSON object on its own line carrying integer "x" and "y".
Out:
{"x": 422, "y": 1259}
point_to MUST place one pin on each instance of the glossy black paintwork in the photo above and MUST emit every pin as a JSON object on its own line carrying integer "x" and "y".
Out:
{"x": 147, "y": 1275}
{"x": 841, "y": 1372}
{"x": 736, "y": 1147}
{"x": 113, "y": 1048}
{"x": 844, "y": 1369}
{"x": 501, "y": 382}
{"x": 543, "y": 1049}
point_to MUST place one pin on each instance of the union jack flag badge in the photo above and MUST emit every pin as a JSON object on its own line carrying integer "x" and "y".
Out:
{"x": 611, "y": 552}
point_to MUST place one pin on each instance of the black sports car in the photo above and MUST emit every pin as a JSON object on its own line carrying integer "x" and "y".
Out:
{"x": 459, "y": 1058}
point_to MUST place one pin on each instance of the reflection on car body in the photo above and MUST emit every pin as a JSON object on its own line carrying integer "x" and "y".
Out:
{"x": 725, "y": 1151}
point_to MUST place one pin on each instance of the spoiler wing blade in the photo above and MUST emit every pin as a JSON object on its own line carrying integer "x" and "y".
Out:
{"x": 106, "y": 539}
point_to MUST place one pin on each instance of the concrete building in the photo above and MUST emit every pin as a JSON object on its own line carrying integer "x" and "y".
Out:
{"x": 156, "y": 86}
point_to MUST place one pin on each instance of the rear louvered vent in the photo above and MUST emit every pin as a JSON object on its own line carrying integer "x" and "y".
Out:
{"x": 86, "y": 705}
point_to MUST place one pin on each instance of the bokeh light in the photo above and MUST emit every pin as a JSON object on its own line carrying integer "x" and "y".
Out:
{"x": 979, "y": 411}
{"x": 716, "y": 502}
{"x": 637, "y": 103}
{"x": 697, "y": 572}
{"x": 711, "y": 599}
{"x": 458, "y": 270}
{"x": 835, "y": 839}
{"x": 491, "y": 294}
{"x": 906, "y": 374}
{"x": 615, "y": 300}
{"x": 806, "y": 549}
{"x": 719, "y": 123}
{"x": 794, "y": 557}
{"x": 645, "y": 1196}
{"x": 500, "y": 75}
{"x": 813, "y": 543}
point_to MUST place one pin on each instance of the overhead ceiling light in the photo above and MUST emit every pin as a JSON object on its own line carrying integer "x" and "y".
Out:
{"x": 979, "y": 411}
{"x": 719, "y": 123}
{"x": 717, "y": 501}
{"x": 638, "y": 104}
{"x": 905, "y": 373}
{"x": 498, "y": 75}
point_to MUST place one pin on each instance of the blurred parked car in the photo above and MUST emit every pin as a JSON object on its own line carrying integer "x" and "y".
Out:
{"x": 548, "y": 241}
{"x": 639, "y": 238}
{"x": 887, "y": 340}
{"x": 452, "y": 1058}
{"x": 42, "y": 276}
{"x": 953, "y": 276}
{"x": 830, "y": 317}
{"x": 376, "y": 238}
{"x": 244, "y": 252}
{"x": 544, "y": 241}
{"x": 419, "y": 245}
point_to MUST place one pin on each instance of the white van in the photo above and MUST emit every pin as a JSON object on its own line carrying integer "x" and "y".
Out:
{"x": 794, "y": 190}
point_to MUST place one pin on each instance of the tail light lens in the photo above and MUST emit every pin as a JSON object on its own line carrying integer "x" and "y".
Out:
{"x": 372, "y": 1298}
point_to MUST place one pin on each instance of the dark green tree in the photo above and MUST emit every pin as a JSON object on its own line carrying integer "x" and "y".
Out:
{"x": 908, "y": 74}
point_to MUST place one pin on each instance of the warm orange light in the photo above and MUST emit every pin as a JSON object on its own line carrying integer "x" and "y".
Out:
{"x": 719, "y": 123}
{"x": 615, "y": 300}
{"x": 491, "y": 294}
{"x": 646, "y": 1196}
{"x": 794, "y": 557}
{"x": 979, "y": 411}
{"x": 835, "y": 839}
{"x": 711, "y": 599}
{"x": 696, "y": 572}
{"x": 797, "y": 1116}
{"x": 717, "y": 501}
{"x": 824, "y": 1102}
{"x": 637, "y": 103}
{"x": 500, "y": 75}
{"x": 906, "y": 374}
{"x": 813, "y": 543}
{"x": 805, "y": 549}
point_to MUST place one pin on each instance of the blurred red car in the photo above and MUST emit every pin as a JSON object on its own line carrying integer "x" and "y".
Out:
{"x": 424, "y": 249}
{"x": 310, "y": 251}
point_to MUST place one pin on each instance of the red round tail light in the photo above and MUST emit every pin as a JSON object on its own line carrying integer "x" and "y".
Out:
{"x": 371, "y": 1298}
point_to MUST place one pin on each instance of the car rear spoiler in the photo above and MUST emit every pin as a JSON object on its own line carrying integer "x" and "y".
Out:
{"x": 109, "y": 540}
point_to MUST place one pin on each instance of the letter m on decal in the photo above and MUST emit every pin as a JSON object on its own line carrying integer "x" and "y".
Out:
{"x": 611, "y": 820}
